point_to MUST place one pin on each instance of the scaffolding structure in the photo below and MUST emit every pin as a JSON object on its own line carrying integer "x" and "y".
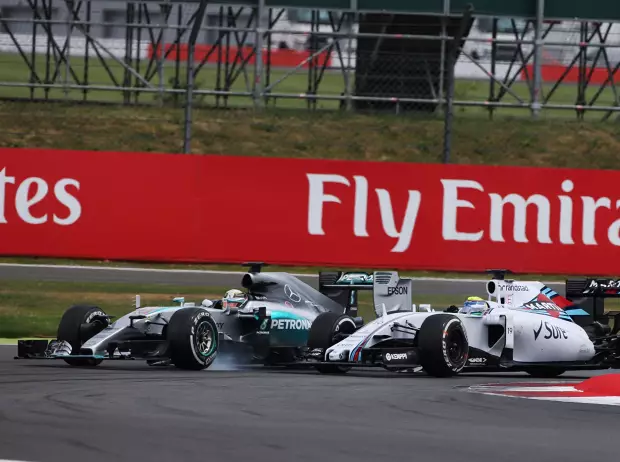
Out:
{"x": 165, "y": 52}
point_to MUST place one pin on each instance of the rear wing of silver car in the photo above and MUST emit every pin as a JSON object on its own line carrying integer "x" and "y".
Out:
{"x": 387, "y": 286}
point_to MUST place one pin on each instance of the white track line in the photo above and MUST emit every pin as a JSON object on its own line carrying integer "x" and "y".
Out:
{"x": 541, "y": 389}
{"x": 159, "y": 270}
{"x": 119, "y": 268}
{"x": 604, "y": 400}
{"x": 12, "y": 460}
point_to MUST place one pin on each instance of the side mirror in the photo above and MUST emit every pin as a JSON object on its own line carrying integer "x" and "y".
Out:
{"x": 207, "y": 303}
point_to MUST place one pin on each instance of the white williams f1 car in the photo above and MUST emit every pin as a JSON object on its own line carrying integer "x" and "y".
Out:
{"x": 519, "y": 326}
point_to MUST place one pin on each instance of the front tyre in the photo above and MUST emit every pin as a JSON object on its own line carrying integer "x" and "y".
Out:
{"x": 443, "y": 345}
{"x": 79, "y": 324}
{"x": 193, "y": 339}
{"x": 327, "y": 330}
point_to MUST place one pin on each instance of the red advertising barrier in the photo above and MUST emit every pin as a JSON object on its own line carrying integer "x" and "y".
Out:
{"x": 160, "y": 207}
{"x": 213, "y": 54}
{"x": 552, "y": 73}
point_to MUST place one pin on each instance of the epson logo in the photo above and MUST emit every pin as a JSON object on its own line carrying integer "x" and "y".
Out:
{"x": 395, "y": 356}
{"x": 397, "y": 291}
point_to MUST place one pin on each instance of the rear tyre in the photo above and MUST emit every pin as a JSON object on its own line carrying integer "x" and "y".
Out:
{"x": 193, "y": 339}
{"x": 443, "y": 345}
{"x": 79, "y": 324}
{"x": 327, "y": 330}
{"x": 545, "y": 372}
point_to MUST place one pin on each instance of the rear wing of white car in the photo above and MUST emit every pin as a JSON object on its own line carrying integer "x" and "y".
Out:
{"x": 388, "y": 288}
{"x": 591, "y": 293}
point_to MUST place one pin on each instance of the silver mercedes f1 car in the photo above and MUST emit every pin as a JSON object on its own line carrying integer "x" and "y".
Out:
{"x": 269, "y": 324}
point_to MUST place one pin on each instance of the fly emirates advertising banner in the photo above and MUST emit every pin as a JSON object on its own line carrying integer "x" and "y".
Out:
{"x": 190, "y": 208}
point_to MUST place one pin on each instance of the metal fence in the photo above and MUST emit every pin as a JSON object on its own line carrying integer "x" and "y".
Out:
{"x": 190, "y": 55}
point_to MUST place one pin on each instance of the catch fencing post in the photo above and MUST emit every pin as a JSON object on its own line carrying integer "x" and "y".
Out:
{"x": 452, "y": 56}
{"x": 258, "y": 64}
{"x": 349, "y": 72}
{"x": 537, "y": 87}
{"x": 442, "y": 63}
{"x": 202, "y": 8}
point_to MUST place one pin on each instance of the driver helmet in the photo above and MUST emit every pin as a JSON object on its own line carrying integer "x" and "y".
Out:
{"x": 474, "y": 305}
{"x": 233, "y": 298}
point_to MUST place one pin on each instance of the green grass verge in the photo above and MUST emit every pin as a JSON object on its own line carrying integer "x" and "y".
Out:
{"x": 33, "y": 309}
{"x": 312, "y": 135}
{"x": 13, "y": 341}
{"x": 290, "y": 130}
{"x": 110, "y": 73}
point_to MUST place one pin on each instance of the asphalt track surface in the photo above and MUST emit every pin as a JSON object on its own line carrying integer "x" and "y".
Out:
{"x": 50, "y": 412}
{"x": 59, "y": 273}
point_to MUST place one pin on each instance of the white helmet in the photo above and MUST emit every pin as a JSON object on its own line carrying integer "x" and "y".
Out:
{"x": 233, "y": 298}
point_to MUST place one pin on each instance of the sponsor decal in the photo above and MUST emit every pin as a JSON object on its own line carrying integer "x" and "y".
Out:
{"x": 355, "y": 278}
{"x": 199, "y": 316}
{"x": 595, "y": 286}
{"x": 585, "y": 348}
{"x": 264, "y": 324}
{"x": 93, "y": 315}
{"x": 512, "y": 288}
{"x": 397, "y": 290}
{"x": 542, "y": 306}
{"x": 477, "y": 360}
{"x": 551, "y": 331}
{"x": 395, "y": 356}
{"x": 343, "y": 322}
{"x": 291, "y": 324}
{"x": 288, "y": 291}
{"x": 220, "y": 325}
{"x": 414, "y": 217}
{"x": 30, "y": 197}
{"x": 545, "y": 308}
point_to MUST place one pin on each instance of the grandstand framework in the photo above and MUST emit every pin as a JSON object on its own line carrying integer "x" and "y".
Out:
{"x": 538, "y": 55}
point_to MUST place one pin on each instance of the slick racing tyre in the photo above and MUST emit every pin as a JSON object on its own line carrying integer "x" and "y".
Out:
{"x": 327, "y": 330}
{"x": 443, "y": 345}
{"x": 193, "y": 339}
{"x": 79, "y": 324}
